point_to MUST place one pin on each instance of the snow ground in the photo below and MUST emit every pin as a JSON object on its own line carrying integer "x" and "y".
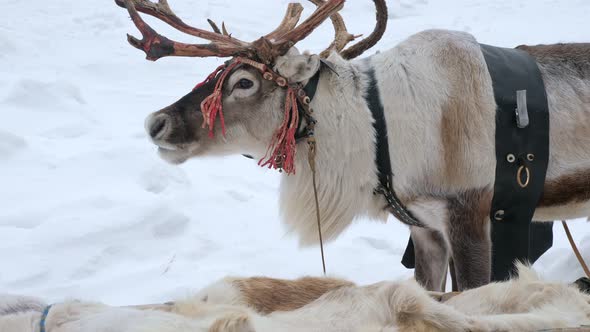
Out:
{"x": 87, "y": 209}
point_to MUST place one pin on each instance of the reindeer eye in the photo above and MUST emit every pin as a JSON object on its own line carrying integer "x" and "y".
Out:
{"x": 244, "y": 84}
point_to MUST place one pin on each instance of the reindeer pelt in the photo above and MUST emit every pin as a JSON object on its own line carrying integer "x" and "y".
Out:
{"x": 329, "y": 305}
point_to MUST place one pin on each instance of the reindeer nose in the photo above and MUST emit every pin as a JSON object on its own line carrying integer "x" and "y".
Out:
{"x": 157, "y": 125}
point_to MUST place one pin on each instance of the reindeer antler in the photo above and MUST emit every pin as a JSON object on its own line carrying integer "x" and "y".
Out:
{"x": 342, "y": 37}
{"x": 157, "y": 46}
{"x": 341, "y": 34}
{"x": 289, "y": 22}
{"x": 265, "y": 49}
{"x": 365, "y": 44}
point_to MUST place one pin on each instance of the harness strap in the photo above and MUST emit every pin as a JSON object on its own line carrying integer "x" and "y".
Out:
{"x": 382, "y": 158}
{"x": 44, "y": 318}
{"x": 312, "y": 86}
{"x": 310, "y": 89}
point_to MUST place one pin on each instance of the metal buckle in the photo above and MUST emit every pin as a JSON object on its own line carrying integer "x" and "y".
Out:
{"x": 522, "y": 113}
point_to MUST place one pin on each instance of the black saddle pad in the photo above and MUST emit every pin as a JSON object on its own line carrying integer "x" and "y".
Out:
{"x": 521, "y": 154}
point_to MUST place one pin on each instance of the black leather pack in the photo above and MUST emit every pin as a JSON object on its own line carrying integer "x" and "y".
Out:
{"x": 522, "y": 153}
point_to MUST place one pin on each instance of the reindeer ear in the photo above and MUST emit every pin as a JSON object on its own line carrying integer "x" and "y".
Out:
{"x": 297, "y": 67}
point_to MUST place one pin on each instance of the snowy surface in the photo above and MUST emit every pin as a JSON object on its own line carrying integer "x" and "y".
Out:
{"x": 88, "y": 210}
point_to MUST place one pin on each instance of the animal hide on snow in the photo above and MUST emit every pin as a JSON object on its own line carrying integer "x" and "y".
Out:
{"x": 319, "y": 304}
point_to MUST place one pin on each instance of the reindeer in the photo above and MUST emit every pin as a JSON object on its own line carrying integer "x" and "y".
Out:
{"x": 439, "y": 110}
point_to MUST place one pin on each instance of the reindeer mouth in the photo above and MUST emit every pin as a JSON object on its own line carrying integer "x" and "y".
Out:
{"x": 174, "y": 156}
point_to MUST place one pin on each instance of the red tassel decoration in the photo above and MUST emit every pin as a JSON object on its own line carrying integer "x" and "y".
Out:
{"x": 281, "y": 151}
{"x": 212, "y": 105}
{"x": 210, "y": 77}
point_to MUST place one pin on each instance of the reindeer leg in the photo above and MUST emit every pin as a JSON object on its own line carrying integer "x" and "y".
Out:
{"x": 469, "y": 235}
{"x": 432, "y": 256}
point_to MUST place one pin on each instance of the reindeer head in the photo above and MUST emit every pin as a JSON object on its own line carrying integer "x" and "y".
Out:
{"x": 250, "y": 102}
{"x": 253, "y": 108}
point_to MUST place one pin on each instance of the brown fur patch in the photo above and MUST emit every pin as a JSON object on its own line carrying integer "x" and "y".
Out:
{"x": 452, "y": 138}
{"x": 566, "y": 59}
{"x": 267, "y": 295}
{"x": 470, "y": 209}
{"x": 469, "y": 235}
{"x": 570, "y": 188}
{"x": 463, "y": 120}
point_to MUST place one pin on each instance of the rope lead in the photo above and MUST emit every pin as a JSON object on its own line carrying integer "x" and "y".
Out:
{"x": 311, "y": 159}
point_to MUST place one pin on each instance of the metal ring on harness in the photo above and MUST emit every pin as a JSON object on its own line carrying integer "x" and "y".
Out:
{"x": 519, "y": 176}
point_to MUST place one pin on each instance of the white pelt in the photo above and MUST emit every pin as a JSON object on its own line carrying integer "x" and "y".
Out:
{"x": 523, "y": 304}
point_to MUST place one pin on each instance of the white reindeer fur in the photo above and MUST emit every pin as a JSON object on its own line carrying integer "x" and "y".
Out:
{"x": 524, "y": 304}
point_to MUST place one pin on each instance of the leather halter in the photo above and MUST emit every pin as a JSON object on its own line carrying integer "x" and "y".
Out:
{"x": 382, "y": 158}
{"x": 310, "y": 89}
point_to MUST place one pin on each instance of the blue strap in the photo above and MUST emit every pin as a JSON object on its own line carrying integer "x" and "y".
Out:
{"x": 44, "y": 318}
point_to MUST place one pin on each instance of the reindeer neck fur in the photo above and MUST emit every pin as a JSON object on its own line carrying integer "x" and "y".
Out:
{"x": 346, "y": 170}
